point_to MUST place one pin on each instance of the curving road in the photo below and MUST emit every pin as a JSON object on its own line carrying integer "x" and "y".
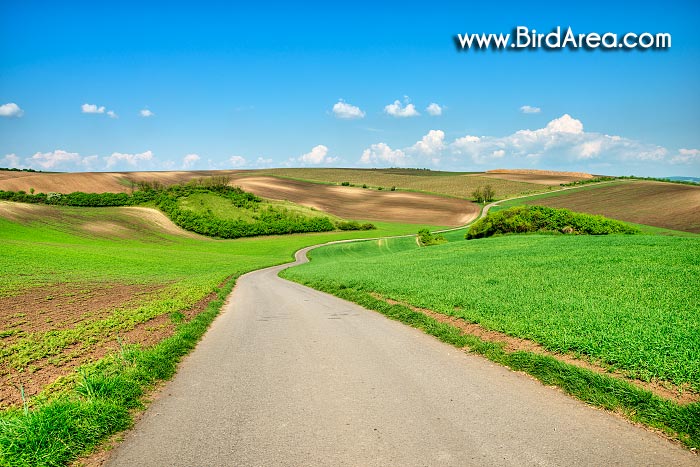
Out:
{"x": 291, "y": 376}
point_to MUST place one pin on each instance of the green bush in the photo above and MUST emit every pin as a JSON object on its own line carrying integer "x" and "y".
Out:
{"x": 354, "y": 225}
{"x": 427, "y": 239}
{"x": 523, "y": 219}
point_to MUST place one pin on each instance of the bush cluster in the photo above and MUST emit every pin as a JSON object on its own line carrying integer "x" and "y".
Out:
{"x": 354, "y": 225}
{"x": 427, "y": 239}
{"x": 523, "y": 219}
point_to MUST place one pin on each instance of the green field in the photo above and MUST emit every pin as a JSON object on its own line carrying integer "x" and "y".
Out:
{"x": 629, "y": 302}
{"x": 222, "y": 208}
{"x": 77, "y": 251}
{"x": 62, "y": 248}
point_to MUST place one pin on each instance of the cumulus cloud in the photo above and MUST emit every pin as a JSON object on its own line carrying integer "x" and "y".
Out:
{"x": 60, "y": 159}
{"x": 146, "y": 113}
{"x": 131, "y": 159}
{"x": 318, "y": 155}
{"x": 431, "y": 144}
{"x": 11, "y": 161}
{"x": 189, "y": 160}
{"x": 382, "y": 153}
{"x": 342, "y": 109}
{"x": 434, "y": 110}
{"x": 527, "y": 109}
{"x": 263, "y": 162}
{"x": 686, "y": 156}
{"x": 112, "y": 114}
{"x": 401, "y": 111}
{"x": 92, "y": 109}
{"x": 10, "y": 110}
{"x": 237, "y": 161}
{"x": 562, "y": 143}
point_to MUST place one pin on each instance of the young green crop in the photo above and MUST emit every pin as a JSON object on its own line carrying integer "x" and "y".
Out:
{"x": 631, "y": 302}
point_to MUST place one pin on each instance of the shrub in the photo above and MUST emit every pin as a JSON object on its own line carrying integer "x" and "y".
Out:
{"x": 354, "y": 225}
{"x": 427, "y": 239}
{"x": 345, "y": 184}
{"x": 522, "y": 219}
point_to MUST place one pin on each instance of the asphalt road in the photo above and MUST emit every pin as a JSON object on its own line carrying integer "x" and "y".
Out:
{"x": 291, "y": 376}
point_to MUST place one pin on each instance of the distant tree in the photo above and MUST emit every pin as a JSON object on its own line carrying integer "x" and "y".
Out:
{"x": 488, "y": 193}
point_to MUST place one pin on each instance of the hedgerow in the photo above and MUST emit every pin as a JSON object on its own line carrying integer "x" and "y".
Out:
{"x": 524, "y": 219}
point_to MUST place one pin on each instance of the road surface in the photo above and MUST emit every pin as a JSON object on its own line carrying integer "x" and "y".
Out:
{"x": 291, "y": 376}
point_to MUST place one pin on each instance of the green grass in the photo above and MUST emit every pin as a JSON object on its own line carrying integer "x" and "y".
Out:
{"x": 629, "y": 302}
{"x": 55, "y": 249}
{"x": 222, "y": 208}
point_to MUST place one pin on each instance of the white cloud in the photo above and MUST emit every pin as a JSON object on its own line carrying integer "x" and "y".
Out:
{"x": 431, "y": 144}
{"x": 434, "y": 109}
{"x": 398, "y": 110}
{"x": 263, "y": 162}
{"x": 237, "y": 161}
{"x": 92, "y": 109}
{"x": 146, "y": 113}
{"x": 11, "y": 161}
{"x": 112, "y": 114}
{"x": 58, "y": 158}
{"x": 10, "y": 110}
{"x": 131, "y": 159}
{"x": 686, "y": 156}
{"x": 527, "y": 109}
{"x": 318, "y": 155}
{"x": 189, "y": 160}
{"x": 382, "y": 153}
{"x": 344, "y": 110}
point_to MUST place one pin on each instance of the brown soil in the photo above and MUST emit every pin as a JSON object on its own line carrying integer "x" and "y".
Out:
{"x": 541, "y": 177}
{"x": 59, "y": 307}
{"x": 365, "y": 204}
{"x": 668, "y": 205}
{"x": 96, "y": 182}
{"x": 515, "y": 344}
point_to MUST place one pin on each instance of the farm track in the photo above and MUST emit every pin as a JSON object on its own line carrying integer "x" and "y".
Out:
{"x": 291, "y": 376}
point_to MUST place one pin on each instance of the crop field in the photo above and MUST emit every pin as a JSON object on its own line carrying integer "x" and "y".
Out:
{"x": 630, "y": 303}
{"x": 357, "y": 203}
{"x": 455, "y": 184}
{"x": 660, "y": 204}
{"x": 78, "y": 283}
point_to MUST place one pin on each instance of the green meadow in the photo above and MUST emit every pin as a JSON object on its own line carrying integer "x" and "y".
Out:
{"x": 76, "y": 248}
{"x": 629, "y": 302}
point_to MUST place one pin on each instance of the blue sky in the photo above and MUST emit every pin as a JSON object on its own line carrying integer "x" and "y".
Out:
{"x": 247, "y": 86}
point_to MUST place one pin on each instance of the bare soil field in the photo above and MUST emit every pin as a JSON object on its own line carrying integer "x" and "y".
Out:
{"x": 365, "y": 204}
{"x": 95, "y": 182}
{"x": 668, "y": 205}
{"x": 540, "y": 177}
{"x": 455, "y": 184}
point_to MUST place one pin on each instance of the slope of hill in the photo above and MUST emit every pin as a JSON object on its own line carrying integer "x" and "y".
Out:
{"x": 668, "y": 205}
